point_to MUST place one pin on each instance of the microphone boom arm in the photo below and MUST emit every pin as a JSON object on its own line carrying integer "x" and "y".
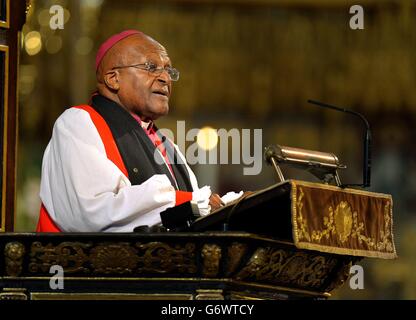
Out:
{"x": 366, "y": 144}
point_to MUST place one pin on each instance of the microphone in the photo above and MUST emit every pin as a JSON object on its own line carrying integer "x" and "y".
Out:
{"x": 366, "y": 142}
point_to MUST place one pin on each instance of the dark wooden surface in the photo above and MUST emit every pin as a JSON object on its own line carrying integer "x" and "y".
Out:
{"x": 224, "y": 265}
{"x": 10, "y": 37}
{"x": 265, "y": 212}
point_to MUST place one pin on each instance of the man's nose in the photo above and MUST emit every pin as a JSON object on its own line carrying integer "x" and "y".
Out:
{"x": 164, "y": 77}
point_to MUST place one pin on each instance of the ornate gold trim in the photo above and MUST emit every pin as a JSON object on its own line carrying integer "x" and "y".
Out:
{"x": 284, "y": 289}
{"x": 5, "y": 49}
{"x": 13, "y": 255}
{"x": 293, "y": 269}
{"x": 243, "y": 296}
{"x": 235, "y": 253}
{"x": 6, "y": 23}
{"x": 341, "y": 278}
{"x": 300, "y": 231}
{"x": 196, "y": 280}
{"x": 211, "y": 256}
{"x": 13, "y": 294}
{"x": 344, "y": 190}
{"x": 209, "y": 294}
{"x": 109, "y": 296}
{"x": 239, "y": 283}
{"x": 114, "y": 257}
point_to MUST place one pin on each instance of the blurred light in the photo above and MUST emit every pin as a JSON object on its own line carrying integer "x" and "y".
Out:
{"x": 25, "y": 30}
{"x": 33, "y": 43}
{"x": 27, "y": 77}
{"x": 67, "y": 15}
{"x": 44, "y": 17}
{"x": 207, "y": 138}
{"x": 84, "y": 45}
{"x": 30, "y": 11}
{"x": 53, "y": 44}
{"x": 46, "y": 31}
{"x": 63, "y": 3}
{"x": 92, "y": 3}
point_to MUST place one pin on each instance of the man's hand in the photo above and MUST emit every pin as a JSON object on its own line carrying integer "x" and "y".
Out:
{"x": 202, "y": 198}
{"x": 215, "y": 202}
{"x": 247, "y": 193}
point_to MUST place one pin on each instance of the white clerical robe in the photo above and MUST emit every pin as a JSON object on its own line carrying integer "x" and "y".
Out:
{"x": 84, "y": 191}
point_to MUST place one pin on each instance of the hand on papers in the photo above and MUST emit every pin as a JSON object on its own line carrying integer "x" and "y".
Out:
{"x": 231, "y": 196}
{"x": 215, "y": 202}
{"x": 208, "y": 201}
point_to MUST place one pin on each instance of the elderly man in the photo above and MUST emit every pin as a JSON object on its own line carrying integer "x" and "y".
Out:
{"x": 106, "y": 167}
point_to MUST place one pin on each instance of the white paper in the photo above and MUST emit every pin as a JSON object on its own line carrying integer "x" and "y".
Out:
{"x": 231, "y": 196}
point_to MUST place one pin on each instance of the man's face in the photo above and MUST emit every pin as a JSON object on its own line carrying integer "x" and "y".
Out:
{"x": 142, "y": 92}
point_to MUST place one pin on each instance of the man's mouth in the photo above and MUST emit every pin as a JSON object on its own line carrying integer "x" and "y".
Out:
{"x": 162, "y": 93}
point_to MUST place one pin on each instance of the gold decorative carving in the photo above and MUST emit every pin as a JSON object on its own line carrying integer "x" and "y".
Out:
{"x": 209, "y": 294}
{"x": 302, "y": 223}
{"x": 78, "y": 296}
{"x": 113, "y": 258}
{"x": 13, "y": 254}
{"x": 279, "y": 266}
{"x": 160, "y": 257}
{"x": 339, "y": 223}
{"x": 246, "y": 296}
{"x": 70, "y": 255}
{"x": 342, "y": 276}
{"x": 234, "y": 254}
{"x": 116, "y": 258}
{"x": 343, "y": 220}
{"x": 211, "y": 256}
{"x": 13, "y": 294}
{"x": 273, "y": 270}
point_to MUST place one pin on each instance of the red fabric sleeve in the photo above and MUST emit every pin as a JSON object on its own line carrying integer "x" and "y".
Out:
{"x": 182, "y": 197}
{"x": 45, "y": 223}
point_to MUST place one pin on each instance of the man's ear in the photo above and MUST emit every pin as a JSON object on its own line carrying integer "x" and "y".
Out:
{"x": 111, "y": 80}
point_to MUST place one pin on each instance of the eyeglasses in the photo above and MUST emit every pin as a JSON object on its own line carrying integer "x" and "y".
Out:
{"x": 154, "y": 69}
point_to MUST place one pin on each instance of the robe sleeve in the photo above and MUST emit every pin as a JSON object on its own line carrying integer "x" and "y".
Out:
{"x": 84, "y": 191}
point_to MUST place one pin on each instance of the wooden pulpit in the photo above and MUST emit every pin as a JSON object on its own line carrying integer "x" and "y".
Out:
{"x": 294, "y": 240}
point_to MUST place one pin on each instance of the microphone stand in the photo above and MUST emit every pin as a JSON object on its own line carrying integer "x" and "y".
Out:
{"x": 366, "y": 144}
